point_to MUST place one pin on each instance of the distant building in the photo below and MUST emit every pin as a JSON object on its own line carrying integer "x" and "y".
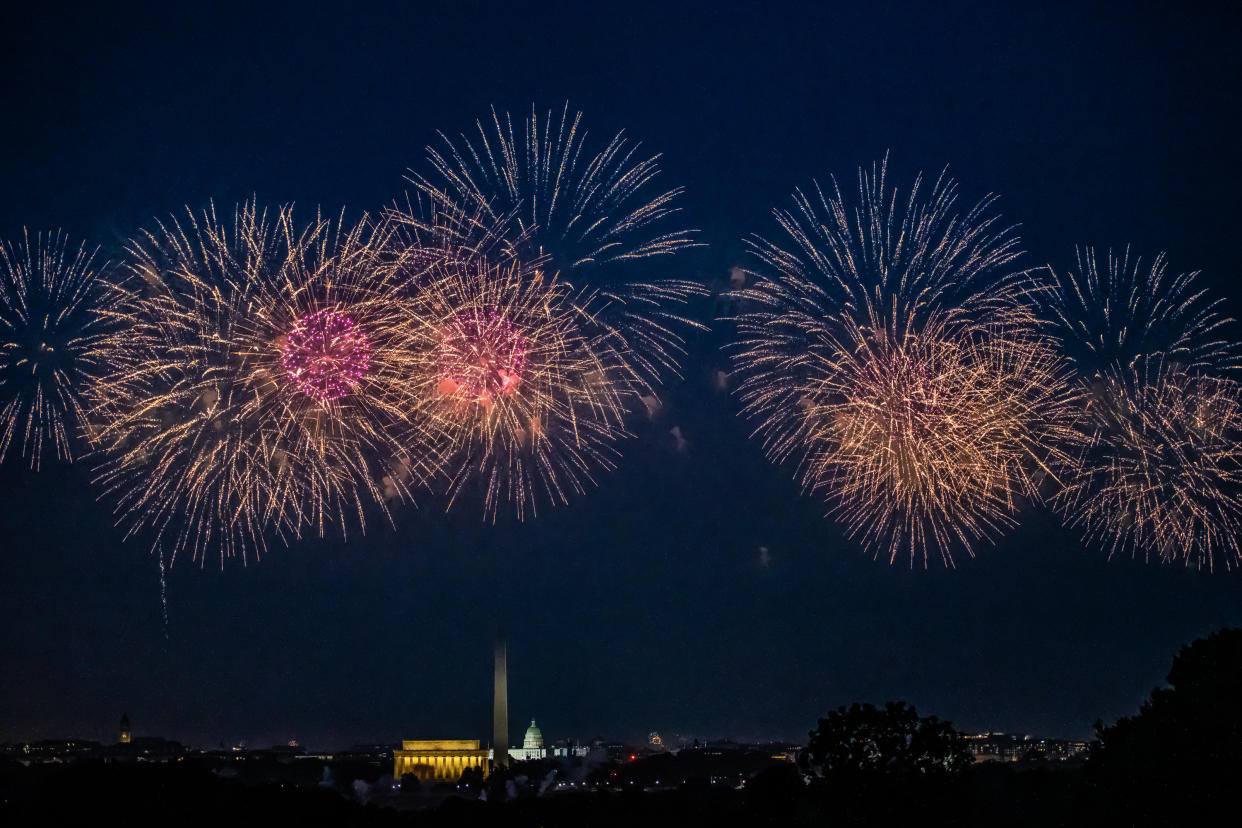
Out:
{"x": 57, "y": 751}
{"x": 147, "y": 749}
{"x": 533, "y": 740}
{"x": 446, "y": 759}
{"x": 500, "y": 699}
{"x": 437, "y": 760}
{"x": 127, "y": 733}
{"x": 532, "y": 745}
{"x": 1009, "y": 747}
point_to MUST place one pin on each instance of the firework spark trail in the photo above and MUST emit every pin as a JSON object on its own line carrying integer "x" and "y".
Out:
{"x": 255, "y": 383}
{"x": 48, "y": 296}
{"x": 892, "y": 356}
{"x": 532, "y": 377}
{"x": 1156, "y": 469}
{"x": 326, "y": 355}
{"x": 557, "y": 200}
{"x": 1110, "y": 313}
{"x": 931, "y": 441}
{"x": 163, "y": 593}
{"x": 1161, "y": 475}
{"x": 1152, "y": 351}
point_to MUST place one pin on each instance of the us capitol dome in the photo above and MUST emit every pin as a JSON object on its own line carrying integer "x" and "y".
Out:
{"x": 532, "y": 745}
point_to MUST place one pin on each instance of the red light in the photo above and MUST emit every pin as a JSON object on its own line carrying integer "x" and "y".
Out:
{"x": 632, "y": 757}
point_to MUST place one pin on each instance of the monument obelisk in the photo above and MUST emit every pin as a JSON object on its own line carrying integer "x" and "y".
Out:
{"x": 500, "y": 705}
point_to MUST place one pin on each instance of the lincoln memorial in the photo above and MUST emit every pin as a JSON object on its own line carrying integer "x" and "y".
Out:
{"x": 439, "y": 759}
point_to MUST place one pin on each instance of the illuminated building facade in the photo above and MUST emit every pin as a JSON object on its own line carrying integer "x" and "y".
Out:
{"x": 446, "y": 759}
{"x": 439, "y": 760}
{"x": 127, "y": 733}
{"x": 1007, "y": 747}
{"x": 532, "y": 745}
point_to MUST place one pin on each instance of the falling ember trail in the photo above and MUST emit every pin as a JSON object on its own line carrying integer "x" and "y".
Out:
{"x": 163, "y": 594}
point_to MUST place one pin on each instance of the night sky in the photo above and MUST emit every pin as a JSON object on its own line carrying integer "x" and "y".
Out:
{"x": 646, "y": 604}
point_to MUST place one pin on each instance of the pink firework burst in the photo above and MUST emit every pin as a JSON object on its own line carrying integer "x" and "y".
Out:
{"x": 326, "y": 355}
{"x": 482, "y": 356}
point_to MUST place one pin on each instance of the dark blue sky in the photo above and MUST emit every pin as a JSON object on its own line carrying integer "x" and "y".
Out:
{"x": 645, "y": 605}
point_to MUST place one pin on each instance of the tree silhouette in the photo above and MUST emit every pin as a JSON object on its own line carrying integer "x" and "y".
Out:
{"x": 471, "y": 780}
{"x": 891, "y": 742}
{"x": 1184, "y": 748}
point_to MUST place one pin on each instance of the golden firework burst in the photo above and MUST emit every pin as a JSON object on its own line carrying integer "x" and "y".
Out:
{"x": 1113, "y": 311}
{"x": 892, "y": 356}
{"x": 531, "y": 379}
{"x": 255, "y": 379}
{"x": 561, "y": 200}
{"x": 1161, "y": 472}
{"x": 531, "y": 376}
{"x": 1155, "y": 468}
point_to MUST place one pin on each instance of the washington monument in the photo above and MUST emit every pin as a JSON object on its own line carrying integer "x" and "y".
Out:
{"x": 500, "y": 705}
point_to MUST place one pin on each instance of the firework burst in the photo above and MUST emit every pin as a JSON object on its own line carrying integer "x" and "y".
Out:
{"x": 1161, "y": 473}
{"x": 258, "y": 373}
{"x": 530, "y": 378}
{"x": 892, "y": 357}
{"x": 47, "y": 330}
{"x": 1110, "y": 313}
{"x": 326, "y": 355}
{"x": 1156, "y": 469}
{"x": 935, "y": 441}
{"x": 560, "y": 204}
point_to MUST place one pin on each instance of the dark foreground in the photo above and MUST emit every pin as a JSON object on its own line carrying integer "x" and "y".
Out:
{"x": 184, "y": 794}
